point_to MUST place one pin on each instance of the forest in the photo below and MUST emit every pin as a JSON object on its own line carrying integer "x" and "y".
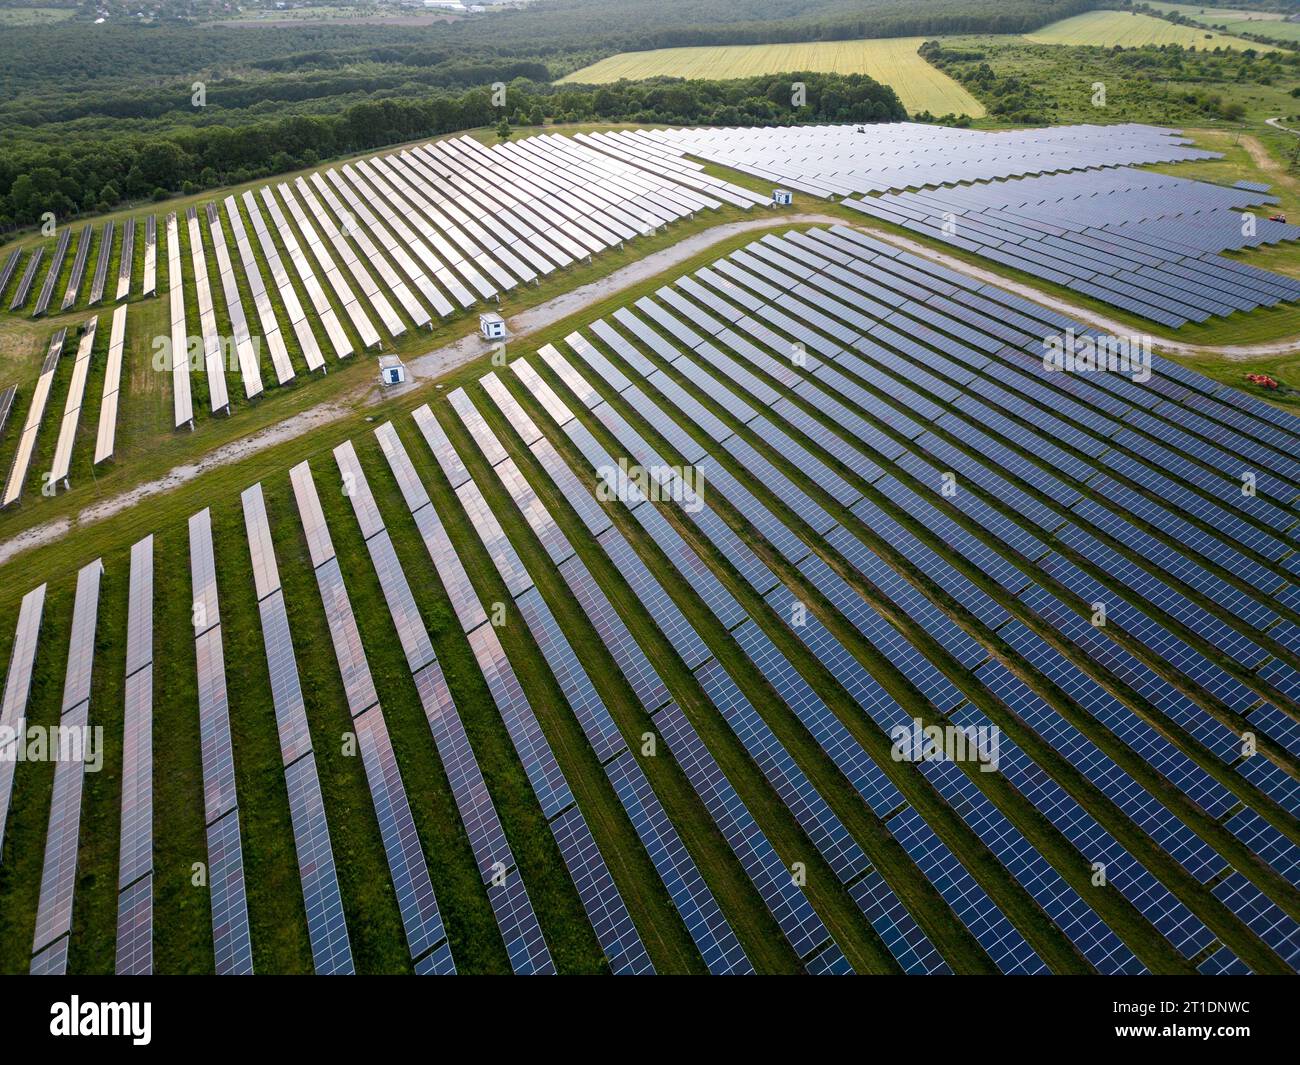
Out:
{"x": 91, "y": 115}
{"x": 81, "y": 178}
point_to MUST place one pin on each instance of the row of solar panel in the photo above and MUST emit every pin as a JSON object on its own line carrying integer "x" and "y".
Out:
{"x": 99, "y": 277}
{"x": 718, "y": 698}
{"x": 1122, "y": 961}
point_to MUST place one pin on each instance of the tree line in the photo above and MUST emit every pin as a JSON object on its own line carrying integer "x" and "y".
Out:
{"x": 76, "y": 178}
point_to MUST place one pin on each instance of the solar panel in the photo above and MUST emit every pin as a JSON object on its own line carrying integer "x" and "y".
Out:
{"x": 231, "y": 944}
{"x": 539, "y": 763}
{"x": 52, "y": 274}
{"x": 59, "y": 871}
{"x": 101, "y": 264}
{"x": 573, "y": 680}
{"x": 904, "y": 938}
{"x": 148, "y": 282}
{"x": 72, "y": 405}
{"x": 636, "y": 668}
{"x": 135, "y": 914}
{"x": 832, "y": 736}
{"x": 794, "y": 915}
{"x": 705, "y": 922}
{"x": 973, "y": 907}
{"x": 182, "y": 399}
{"x": 135, "y": 929}
{"x": 326, "y": 926}
{"x": 35, "y": 412}
{"x": 822, "y": 826}
{"x": 515, "y": 414}
{"x": 599, "y": 896}
{"x": 421, "y": 918}
{"x": 498, "y": 545}
{"x": 18, "y": 678}
{"x": 105, "y": 441}
{"x": 492, "y": 852}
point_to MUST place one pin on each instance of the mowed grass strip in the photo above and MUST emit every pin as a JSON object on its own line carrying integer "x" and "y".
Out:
{"x": 892, "y": 61}
{"x": 1105, "y": 29}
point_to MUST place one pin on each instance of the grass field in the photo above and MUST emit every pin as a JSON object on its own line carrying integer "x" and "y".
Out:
{"x": 1266, "y": 23}
{"x": 893, "y": 62}
{"x": 1063, "y": 78}
{"x": 1105, "y": 29}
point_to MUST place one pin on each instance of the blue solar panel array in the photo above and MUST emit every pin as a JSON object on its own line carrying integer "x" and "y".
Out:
{"x": 850, "y": 502}
{"x": 1147, "y": 243}
{"x": 838, "y": 429}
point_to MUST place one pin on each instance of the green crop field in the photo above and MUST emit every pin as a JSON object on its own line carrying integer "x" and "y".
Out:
{"x": 1267, "y": 23}
{"x": 893, "y": 61}
{"x": 1106, "y": 29}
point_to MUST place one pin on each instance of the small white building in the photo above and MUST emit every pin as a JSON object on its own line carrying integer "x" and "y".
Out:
{"x": 392, "y": 371}
{"x": 492, "y": 326}
{"x": 782, "y": 197}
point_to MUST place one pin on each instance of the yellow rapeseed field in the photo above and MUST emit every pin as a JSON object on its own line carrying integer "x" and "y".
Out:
{"x": 1109, "y": 28}
{"x": 892, "y": 61}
